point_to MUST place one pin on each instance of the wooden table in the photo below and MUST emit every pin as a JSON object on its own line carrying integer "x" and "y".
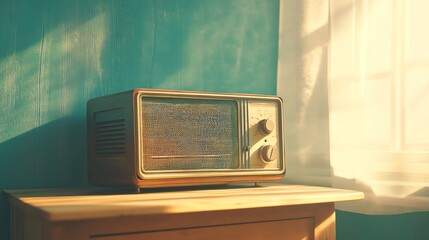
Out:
{"x": 233, "y": 212}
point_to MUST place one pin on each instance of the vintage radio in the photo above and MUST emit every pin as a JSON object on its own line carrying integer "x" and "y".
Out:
{"x": 157, "y": 138}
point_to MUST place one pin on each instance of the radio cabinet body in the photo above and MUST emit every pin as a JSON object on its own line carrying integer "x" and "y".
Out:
{"x": 159, "y": 138}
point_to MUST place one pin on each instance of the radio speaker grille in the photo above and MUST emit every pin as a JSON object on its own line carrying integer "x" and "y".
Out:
{"x": 187, "y": 134}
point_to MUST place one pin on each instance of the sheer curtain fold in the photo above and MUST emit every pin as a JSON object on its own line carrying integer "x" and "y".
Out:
{"x": 358, "y": 116}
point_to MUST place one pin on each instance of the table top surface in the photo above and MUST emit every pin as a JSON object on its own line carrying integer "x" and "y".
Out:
{"x": 91, "y": 203}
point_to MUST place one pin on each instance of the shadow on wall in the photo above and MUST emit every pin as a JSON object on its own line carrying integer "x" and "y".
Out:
{"x": 50, "y": 156}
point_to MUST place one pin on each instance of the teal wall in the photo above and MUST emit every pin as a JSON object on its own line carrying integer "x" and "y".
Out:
{"x": 407, "y": 226}
{"x": 55, "y": 55}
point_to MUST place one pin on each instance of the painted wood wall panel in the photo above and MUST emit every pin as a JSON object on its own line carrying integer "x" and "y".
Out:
{"x": 55, "y": 55}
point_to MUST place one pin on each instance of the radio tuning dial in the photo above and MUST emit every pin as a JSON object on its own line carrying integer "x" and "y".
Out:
{"x": 268, "y": 153}
{"x": 266, "y": 126}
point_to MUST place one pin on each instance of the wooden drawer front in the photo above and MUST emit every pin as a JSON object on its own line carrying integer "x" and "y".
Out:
{"x": 271, "y": 230}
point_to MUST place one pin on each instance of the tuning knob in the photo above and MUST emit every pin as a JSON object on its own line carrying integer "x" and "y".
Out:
{"x": 268, "y": 153}
{"x": 266, "y": 126}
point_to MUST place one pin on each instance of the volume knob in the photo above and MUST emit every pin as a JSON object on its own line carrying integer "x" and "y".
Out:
{"x": 266, "y": 126}
{"x": 268, "y": 153}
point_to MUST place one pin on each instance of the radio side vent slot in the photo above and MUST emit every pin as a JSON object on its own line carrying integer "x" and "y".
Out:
{"x": 110, "y": 138}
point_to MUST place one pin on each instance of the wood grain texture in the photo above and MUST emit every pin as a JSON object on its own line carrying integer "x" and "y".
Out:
{"x": 55, "y": 55}
{"x": 134, "y": 227}
{"x": 240, "y": 212}
{"x": 273, "y": 230}
{"x": 71, "y": 205}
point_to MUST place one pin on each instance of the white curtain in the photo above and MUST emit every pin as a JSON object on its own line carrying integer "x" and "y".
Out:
{"x": 355, "y": 78}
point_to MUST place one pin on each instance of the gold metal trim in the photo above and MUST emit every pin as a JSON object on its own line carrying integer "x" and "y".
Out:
{"x": 167, "y": 174}
{"x": 212, "y": 173}
{"x": 188, "y": 156}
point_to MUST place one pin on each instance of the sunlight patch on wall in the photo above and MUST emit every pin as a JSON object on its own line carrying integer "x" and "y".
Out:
{"x": 49, "y": 66}
{"x": 92, "y": 34}
{"x": 17, "y": 97}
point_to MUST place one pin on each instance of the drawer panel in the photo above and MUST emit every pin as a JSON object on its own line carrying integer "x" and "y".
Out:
{"x": 302, "y": 228}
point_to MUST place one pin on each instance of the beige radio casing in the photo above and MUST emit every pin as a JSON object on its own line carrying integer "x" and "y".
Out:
{"x": 121, "y": 163}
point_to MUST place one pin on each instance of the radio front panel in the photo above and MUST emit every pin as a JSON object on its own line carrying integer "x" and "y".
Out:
{"x": 264, "y": 133}
{"x": 191, "y": 135}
